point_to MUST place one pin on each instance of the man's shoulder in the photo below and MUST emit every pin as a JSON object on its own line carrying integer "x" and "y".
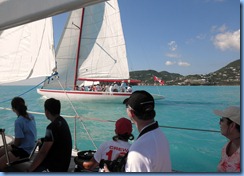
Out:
{"x": 59, "y": 120}
{"x": 149, "y": 137}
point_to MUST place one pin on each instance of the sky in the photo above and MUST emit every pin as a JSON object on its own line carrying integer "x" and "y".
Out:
{"x": 178, "y": 36}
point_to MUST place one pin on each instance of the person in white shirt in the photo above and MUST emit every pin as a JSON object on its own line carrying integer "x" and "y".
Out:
{"x": 123, "y": 86}
{"x": 115, "y": 87}
{"x": 129, "y": 88}
{"x": 150, "y": 152}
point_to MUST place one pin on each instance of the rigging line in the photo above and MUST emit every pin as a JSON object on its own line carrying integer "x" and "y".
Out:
{"x": 101, "y": 120}
{"x": 75, "y": 145}
{"x": 162, "y": 126}
{"x": 193, "y": 129}
{"x": 113, "y": 121}
{"x": 27, "y": 90}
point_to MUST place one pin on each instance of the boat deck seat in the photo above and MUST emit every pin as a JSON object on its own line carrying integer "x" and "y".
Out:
{"x": 22, "y": 164}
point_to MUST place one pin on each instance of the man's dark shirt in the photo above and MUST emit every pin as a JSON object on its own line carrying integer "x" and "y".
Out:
{"x": 58, "y": 158}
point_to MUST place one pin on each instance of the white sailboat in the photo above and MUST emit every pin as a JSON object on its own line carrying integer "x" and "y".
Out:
{"x": 91, "y": 49}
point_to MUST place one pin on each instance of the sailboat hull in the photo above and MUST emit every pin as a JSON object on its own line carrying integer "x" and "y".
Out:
{"x": 74, "y": 95}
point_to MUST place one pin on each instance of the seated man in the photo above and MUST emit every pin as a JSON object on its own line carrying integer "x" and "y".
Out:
{"x": 55, "y": 152}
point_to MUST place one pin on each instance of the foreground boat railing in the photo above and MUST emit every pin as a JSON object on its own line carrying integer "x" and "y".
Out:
{"x": 11, "y": 166}
{"x": 113, "y": 121}
{"x": 2, "y": 132}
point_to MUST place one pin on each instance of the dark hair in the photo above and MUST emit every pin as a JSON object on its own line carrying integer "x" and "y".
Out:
{"x": 230, "y": 121}
{"x": 53, "y": 106}
{"x": 147, "y": 115}
{"x": 18, "y": 104}
{"x": 123, "y": 137}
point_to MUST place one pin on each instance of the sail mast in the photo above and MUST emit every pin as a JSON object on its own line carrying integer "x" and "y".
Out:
{"x": 78, "y": 49}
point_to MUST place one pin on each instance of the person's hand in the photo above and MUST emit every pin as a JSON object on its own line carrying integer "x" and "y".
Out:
{"x": 105, "y": 168}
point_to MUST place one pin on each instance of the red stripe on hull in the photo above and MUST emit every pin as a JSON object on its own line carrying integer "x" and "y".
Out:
{"x": 87, "y": 92}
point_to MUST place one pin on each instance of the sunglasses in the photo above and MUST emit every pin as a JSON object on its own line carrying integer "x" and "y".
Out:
{"x": 223, "y": 118}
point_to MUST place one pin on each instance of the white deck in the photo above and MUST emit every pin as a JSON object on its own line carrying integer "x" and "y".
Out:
{"x": 9, "y": 139}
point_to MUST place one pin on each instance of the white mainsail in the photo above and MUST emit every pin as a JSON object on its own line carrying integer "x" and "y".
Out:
{"x": 17, "y": 12}
{"x": 27, "y": 51}
{"x": 101, "y": 52}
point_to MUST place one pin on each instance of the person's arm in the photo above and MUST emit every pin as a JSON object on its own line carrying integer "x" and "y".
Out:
{"x": 105, "y": 168}
{"x": 91, "y": 164}
{"x": 18, "y": 133}
{"x": 17, "y": 141}
{"x": 41, "y": 155}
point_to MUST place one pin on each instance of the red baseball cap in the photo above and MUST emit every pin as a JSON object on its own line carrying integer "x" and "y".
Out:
{"x": 123, "y": 126}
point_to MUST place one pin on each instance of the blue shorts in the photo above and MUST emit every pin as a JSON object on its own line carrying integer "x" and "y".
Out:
{"x": 19, "y": 152}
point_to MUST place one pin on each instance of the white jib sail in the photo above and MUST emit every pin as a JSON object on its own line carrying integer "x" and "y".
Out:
{"x": 102, "y": 50}
{"x": 27, "y": 51}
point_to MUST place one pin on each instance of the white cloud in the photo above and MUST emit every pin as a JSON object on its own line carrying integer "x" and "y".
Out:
{"x": 227, "y": 40}
{"x": 170, "y": 63}
{"x": 179, "y": 63}
{"x": 221, "y": 29}
{"x": 183, "y": 64}
{"x": 172, "y": 45}
{"x": 201, "y": 36}
{"x": 196, "y": 38}
{"x": 172, "y": 55}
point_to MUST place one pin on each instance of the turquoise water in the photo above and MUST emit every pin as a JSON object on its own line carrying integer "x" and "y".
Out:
{"x": 184, "y": 107}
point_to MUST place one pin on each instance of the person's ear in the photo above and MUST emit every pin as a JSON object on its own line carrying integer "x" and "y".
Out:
{"x": 232, "y": 126}
{"x": 132, "y": 113}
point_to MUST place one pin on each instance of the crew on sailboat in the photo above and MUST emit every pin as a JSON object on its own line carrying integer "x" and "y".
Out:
{"x": 114, "y": 87}
{"x": 129, "y": 88}
{"x": 123, "y": 86}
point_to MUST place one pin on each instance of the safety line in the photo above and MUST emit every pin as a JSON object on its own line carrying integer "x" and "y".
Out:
{"x": 28, "y": 90}
{"x": 90, "y": 137}
{"x": 113, "y": 121}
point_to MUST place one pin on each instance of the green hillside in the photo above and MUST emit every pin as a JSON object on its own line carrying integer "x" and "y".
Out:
{"x": 228, "y": 75}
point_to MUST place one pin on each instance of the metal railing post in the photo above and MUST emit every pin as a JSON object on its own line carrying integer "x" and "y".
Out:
{"x": 5, "y": 144}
